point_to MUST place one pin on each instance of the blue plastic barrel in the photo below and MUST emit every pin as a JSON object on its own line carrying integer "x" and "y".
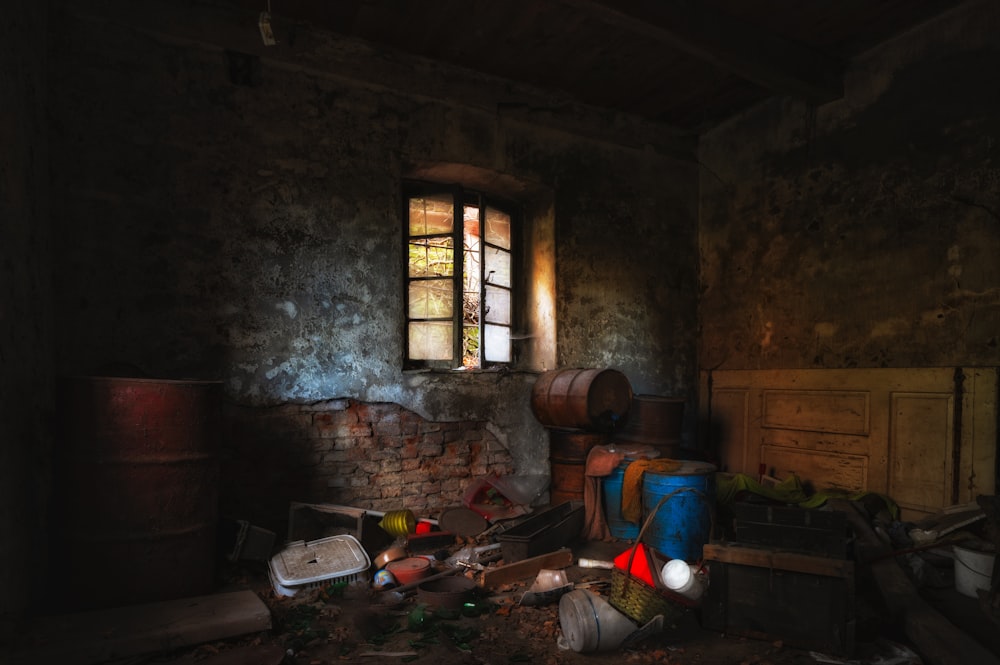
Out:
{"x": 612, "y": 485}
{"x": 683, "y": 523}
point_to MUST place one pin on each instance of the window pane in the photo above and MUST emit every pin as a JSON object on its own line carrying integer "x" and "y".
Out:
{"x": 430, "y": 340}
{"x": 497, "y": 344}
{"x": 432, "y": 257}
{"x": 497, "y": 305}
{"x": 497, "y": 228}
{"x": 431, "y": 299}
{"x": 497, "y": 266}
{"x": 470, "y": 347}
{"x": 431, "y": 214}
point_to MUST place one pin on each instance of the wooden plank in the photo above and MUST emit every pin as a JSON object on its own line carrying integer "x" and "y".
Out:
{"x": 813, "y": 532}
{"x": 801, "y": 610}
{"x": 833, "y": 411}
{"x": 101, "y": 635}
{"x": 838, "y": 470}
{"x": 939, "y": 641}
{"x": 779, "y": 560}
{"x": 921, "y": 446}
{"x": 494, "y": 577}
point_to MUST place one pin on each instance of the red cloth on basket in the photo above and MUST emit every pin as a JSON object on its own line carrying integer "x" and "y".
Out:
{"x": 601, "y": 461}
{"x": 640, "y": 563}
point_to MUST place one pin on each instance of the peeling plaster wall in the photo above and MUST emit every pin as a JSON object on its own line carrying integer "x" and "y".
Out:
{"x": 223, "y": 215}
{"x": 25, "y": 312}
{"x": 863, "y": 233}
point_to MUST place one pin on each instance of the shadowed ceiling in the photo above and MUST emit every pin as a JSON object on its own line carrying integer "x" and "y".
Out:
{"x": 687, "y": 64}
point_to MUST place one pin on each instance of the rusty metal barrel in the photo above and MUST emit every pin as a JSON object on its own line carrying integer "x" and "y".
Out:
{"x": 568, "y": 450}
{"x": 137, "y": 489}
{"x": 656, "y": 421}
{"x": 588, "y": 399}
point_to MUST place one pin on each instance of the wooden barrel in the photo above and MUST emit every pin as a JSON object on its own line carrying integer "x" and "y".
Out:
{"x": 589, "y": 399}
{"x": 568, "y": 450}
{"x": 656, "y": 421}
{"x": 138, "y": 479}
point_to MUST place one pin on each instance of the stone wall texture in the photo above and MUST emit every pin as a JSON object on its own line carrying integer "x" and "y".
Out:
{"x": 863, "y": 233}
{"x": 223, "y": 211}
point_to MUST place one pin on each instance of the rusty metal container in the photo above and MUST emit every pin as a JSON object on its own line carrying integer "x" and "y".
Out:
{"x": 589, "y": 399}
{"x": 137, "y": 489}
{"x": 568, "y": 450}
{"x": 656, "y": 421}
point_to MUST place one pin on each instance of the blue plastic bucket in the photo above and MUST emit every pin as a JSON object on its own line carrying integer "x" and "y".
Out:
{"x": 612, "y": 485}
{"x": 683, "y": 523}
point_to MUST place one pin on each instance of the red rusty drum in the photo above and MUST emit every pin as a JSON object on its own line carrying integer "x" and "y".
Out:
{"x": 137, "y": 489}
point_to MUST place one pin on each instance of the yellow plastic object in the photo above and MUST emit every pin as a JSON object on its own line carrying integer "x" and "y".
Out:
{"x": 398, "y": 522}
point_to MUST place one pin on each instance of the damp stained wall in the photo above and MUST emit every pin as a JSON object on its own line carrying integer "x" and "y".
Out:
{"x": 225, "y": 212}
{"x": 864, "y": 233}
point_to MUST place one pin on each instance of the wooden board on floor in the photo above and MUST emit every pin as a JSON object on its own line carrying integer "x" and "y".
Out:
{"x": 512, "y": 572}
{"x": 101, "y": 635}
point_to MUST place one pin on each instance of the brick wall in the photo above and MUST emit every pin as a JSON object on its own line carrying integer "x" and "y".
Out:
{"x": 376, "y": 456}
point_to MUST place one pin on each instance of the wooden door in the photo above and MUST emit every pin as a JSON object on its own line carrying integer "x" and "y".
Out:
{"x": 926, "y": 437}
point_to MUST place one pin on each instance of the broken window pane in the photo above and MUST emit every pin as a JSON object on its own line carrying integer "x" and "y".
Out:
{"x": 430, "y": 340}
{"x": 497, "y": 266}
{"x": 497, "y": 228}
{"x": 430, "y": 215}
{"x": 497, "y": 305}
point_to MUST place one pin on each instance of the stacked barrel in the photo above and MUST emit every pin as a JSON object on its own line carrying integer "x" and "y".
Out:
{"x": 580, "y": 408}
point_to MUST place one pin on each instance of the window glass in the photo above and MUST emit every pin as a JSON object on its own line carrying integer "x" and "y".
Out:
{"x": 459, "y": 297}
{"x": 430, "y": 215}
{"x": 430, "y": 340}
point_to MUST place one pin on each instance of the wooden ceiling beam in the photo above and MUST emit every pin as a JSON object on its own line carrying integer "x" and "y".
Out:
{"x": 768, "y": 60}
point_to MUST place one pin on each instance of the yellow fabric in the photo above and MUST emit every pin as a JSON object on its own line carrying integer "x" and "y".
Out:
{"x": 632, "y": 484}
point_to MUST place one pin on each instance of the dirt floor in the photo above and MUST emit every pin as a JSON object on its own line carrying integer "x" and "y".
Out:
{"x": 365, "y": 626}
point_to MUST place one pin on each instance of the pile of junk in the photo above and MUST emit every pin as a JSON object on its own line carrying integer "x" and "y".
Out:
{"x": 453, "y": 564}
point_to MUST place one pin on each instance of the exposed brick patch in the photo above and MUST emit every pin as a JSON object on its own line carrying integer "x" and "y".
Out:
{"x": 377, "y": 456}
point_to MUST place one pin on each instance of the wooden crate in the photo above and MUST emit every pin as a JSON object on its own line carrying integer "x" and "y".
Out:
{"x": 818, "y": 532}
{"x": 805, "y": 601}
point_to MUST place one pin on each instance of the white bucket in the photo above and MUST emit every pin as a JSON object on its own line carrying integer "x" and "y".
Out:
{"x": 590, "y": 623}
{"x": 680, "y": 576}
{"x": 973, "y": 570}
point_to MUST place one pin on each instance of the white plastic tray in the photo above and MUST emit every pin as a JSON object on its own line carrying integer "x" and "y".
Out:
{"x": 301, "y": 564}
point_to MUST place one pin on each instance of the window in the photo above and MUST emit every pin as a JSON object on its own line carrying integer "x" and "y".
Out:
{"x": 459, "y": 302}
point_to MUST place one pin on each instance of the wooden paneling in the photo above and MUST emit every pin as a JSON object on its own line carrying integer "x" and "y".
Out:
{"x": 920, "y": 447}
{"x": 882, "y": 430}
{"x": 816, "y": 411}
{"x": 837, "y": 470}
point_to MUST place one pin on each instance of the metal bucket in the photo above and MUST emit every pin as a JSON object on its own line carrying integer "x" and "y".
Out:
{"x": 683, "y": 523}
{"x": 137, "y": 490}
{"x": 589, "y": 399}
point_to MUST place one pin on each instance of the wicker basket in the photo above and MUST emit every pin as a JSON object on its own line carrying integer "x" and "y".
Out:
{"x": 634, "y": 597}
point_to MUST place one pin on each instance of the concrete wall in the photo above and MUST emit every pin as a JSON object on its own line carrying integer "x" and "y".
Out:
{"x": 25, "y": 311}
{"x": 863, "y": 233}
{"x": 225, "y": 211}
